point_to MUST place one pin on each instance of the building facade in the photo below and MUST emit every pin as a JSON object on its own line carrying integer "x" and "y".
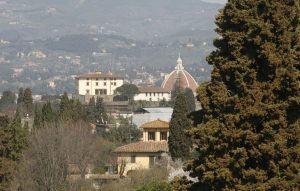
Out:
{"x": 152, "y": 94}
{"x": 98, "y": 84}
{"x": 147, "y": 153}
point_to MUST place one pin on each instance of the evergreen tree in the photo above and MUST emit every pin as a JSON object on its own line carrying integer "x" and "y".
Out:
{"x": 248, "y": 137}
{"x": 28, "y": 101}
{"x": 90, "y": 110}
{"x": 190, "y": 98}
{"x": 20, "y": 97}
{"x": 13, "y": 141}
{"x": 48, "y": 115}
{"x": 7, "y": 100}
{"x": 38, "y": 121}
{"x": 179, "y": 143}
{"x": 101, "y": 115}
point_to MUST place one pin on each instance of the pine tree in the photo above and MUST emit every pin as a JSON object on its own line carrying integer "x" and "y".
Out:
{"x": 248, "y": 138}
{"x": 179, "y": 143}
{"x": 28, "y": 101}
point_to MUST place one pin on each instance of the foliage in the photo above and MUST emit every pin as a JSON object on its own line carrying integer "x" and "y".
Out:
{"x": 128, "y": 90}
{"x": 70, "y": 109}
{"x": 48, "y": 114}
{"x": 123, "y": 134}
{"x": 179, "y": 143}
{"x": 20, "y": 97}
{"x": 28, "y": 101}
{"x": 155, "y": 186}
{"x": 38, "y": 119}
{"x": 13, "y": 141}
{"x": 248, "y": 137}
{"x": 7, "y": 100}
{"x": 190, "y": 98}
{"x": 181, "y": 184}
{"x": 165, "y": 103}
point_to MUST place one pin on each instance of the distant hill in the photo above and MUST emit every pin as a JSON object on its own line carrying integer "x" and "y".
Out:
{"x": 135, "y": 19}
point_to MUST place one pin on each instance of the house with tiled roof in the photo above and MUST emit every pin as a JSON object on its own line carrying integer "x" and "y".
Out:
{"x": 152, "y": 94}
{"x": 146, "y": 153}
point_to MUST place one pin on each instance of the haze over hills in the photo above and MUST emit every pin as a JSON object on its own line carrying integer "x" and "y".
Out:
{"x": 134, "y": 19}
{"x": 136, "y": 34}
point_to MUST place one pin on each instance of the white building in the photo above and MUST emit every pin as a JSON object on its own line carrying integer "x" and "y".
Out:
{"x": 152, "y": 94}
{"x": 98, "y": 84}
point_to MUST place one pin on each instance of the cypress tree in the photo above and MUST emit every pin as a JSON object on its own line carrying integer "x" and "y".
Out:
{"x": 101, "y": 115}
{"x": 38, "y": 121}
{"x": 190, "y": 98}
{"x": 20, "y": 97}
{"x": 248, "y": 136}
{"x": 47, "y": 113}
{"x": 179, "y": 143}
{"x": 28, "y": 101}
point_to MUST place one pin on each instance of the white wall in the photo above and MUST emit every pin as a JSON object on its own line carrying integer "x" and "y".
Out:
{"x": 111, "y": 85}
{"x": 153, "y": 96}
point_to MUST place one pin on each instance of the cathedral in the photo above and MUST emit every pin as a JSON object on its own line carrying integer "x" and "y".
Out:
{"x": 180, "y": 77}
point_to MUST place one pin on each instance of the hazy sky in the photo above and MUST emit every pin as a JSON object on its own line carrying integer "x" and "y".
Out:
{"x": 216, "y": 1}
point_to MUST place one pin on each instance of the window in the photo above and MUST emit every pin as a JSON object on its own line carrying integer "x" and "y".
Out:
{"x": 104, "y": 83}
{"x": 97, "y": 79}
{"x": 88, "y": 79}
{"x": 146, "y": 94}
{"x": 101, "y": 91}
{"x": 153, "y": 94}
{"x": 88, "y": 83}
{"x": 151, "y": 161}
{"x": 115, "y": 84}
{"x": 104, "y": 79}
{"x": 150, "y": 94}
{"x": 163, "y": 136}
{"x": 132, "y": 159}
{"x": 151, "y": 136}
{"x": 115, "y": 78}
{"x": 97, "y": 84}
{"x": 87, "y": 91}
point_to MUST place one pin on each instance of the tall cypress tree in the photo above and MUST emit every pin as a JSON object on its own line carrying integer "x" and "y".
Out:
{"x": 101, "y": 115}
{"x": 28, "y": 101}
{"x": 179, "y": 143}
{"x": 248, "y": 137}
{"x": 48, "y": 115}
{"x": 20, "y": 97}
{"x": 190, "y": 98}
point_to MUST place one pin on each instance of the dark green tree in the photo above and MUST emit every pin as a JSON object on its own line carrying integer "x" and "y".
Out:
{"x": 101, "y": 115}
{"x": 20, "y": 97}
{"x": 48, "y": 114}
{"x": 179, "y": 143}
{"x": 128, "y": 90}
{"x": 249, "y": 133}
{"x": 13, "y": 141}
{"x": 28, "y": 101}
{"x": 38, "y": 120}
{"x": 190, "y": 98}
{"x": 7, "y": 100}
{"x": 90, "y": 111}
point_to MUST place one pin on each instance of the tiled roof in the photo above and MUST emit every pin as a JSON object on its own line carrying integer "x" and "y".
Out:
{"x": 99, "y": 75}
{"x": 152, "y": 90}
{"x": 186, "y": 80}
{"x": 156, "y": 124}
{"x": 144, "y": 147}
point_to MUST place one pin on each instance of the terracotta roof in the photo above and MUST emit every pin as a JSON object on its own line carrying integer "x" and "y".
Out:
{"x": 186, "y": 80}
{"x": 152, "y": 89}
{"x": 144, "y": 147}
{"x": 99, "y": 75}
{"x": 156, "y": 124}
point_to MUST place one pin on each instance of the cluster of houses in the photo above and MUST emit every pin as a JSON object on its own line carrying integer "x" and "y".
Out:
{"x": 153, "y": 147}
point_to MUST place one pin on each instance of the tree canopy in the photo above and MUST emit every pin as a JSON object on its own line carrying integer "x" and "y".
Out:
{"x": 248, "y": 136}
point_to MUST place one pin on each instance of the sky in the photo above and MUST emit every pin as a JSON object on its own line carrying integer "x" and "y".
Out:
{"x": 216, "y": 1}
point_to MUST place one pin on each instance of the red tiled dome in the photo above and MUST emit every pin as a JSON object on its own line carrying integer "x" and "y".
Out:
{"x": 185, "y": 79}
